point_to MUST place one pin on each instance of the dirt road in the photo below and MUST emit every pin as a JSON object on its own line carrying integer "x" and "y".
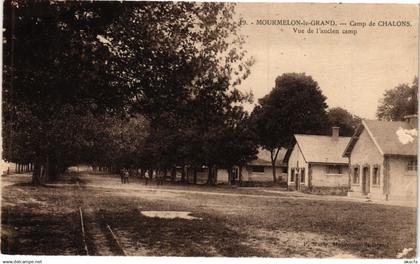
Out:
{"x": 235, "y": 222}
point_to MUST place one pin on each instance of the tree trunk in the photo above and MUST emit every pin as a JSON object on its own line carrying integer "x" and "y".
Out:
{"x": 230, "y": 176}
{"x": 195, "y": 175}
{"x": 274, "y": 153}
{"x": 47, "y": 169}
{"x": 44, "y": 171}
{"x": 52, "y": 170}
{"x": 36, "y": 174}
{"x": 183, "y": 174}
{"x": 173, "y": 174}
{"x": 210, "y": 174}
{"x": 273, "y": 167}
{"x": 215, "y": 175}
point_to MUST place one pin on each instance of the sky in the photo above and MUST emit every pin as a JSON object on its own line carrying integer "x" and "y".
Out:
{"x": 353, "y": 71}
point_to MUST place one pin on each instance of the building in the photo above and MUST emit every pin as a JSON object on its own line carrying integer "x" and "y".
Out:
{"x": 202, "y": 175}
{"x": 260, "y": 169}
{"x": 383, "y": 160}
{"x": 317, "y": 161}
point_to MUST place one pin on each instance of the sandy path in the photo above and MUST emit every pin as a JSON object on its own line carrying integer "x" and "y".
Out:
{"x": 109, "y": 182}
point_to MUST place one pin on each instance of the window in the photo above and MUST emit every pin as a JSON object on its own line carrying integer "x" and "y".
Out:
{"x": 259, "y": 169}
{"x": 375, "y": 175}
{"x": 302, "y": 175}
{"x": 356, "y": 174}
{"x": 334, "y": 169}
{"x": 412, "y": 165}
{"x": 292, "y": 175}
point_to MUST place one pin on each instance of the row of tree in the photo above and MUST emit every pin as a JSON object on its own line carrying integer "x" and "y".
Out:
{"x": 123, "y": 84}
{"x": 149, "y": 85}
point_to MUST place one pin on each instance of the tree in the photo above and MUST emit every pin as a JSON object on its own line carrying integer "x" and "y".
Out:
{"x": 184, "y": 61}
{"x": 347, "y": 122}
{"x": 399, "y": 102}
{"x": 65, "y": 62}
{"x": 237, "y": 144}
{"x": 296, "y": 105}
{"x": 53, "y": 69}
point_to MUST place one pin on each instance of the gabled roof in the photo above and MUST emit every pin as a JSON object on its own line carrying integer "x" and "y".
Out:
{"x": 322, "y": 149}
{"x": 264, "y": 158}
{"x": 392, "y": 138}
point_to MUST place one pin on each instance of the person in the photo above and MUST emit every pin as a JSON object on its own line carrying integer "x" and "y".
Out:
{"x": 125, "y": 176}
{"x": 122, "y": 176}
{"x": 146, "y": 176}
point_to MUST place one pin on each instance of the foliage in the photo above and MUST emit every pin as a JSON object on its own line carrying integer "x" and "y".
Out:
{"x": 343, "y": 119}
{"x": 121, "y": 84}
{"x": 399, "y": 102}
{"x": 296, "y": 105}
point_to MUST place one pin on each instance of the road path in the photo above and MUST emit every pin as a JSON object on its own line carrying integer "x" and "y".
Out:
{"x": 92, "y": 180}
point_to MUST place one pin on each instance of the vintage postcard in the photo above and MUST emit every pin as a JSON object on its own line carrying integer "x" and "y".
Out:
{"x": 209, "y": 129}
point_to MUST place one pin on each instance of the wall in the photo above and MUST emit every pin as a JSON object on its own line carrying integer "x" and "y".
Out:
{"x": 320, "y": 177}
{"x": 266, "y": 176}
{"x": 403, "y": 184}
{"x": 247, "y": 175}
{"x": 222, "y": 176}
{"x": 296, "y": 157}
{"x": 202, "y": 176}
{"x": 364, "y": 153}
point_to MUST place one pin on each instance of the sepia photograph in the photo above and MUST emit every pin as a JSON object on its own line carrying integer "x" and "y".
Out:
{"x": 209, "y": 129}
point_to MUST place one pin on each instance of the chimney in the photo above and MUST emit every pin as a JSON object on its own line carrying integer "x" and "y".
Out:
{"x": 412, "y": 120}
{"x": 335, "y": 133}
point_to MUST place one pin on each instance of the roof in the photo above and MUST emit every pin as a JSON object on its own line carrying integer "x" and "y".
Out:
{"x": 392, "y": 138}
{"x": 264, "y": 158}
{"x": 322, "y": 149}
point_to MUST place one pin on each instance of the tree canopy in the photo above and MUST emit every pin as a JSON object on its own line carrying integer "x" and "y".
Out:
{"x": 347, "y": 122}
{"x": 399, "y": 102}
{"x": 296, "y": 105}
{"x": 161, "y": 73}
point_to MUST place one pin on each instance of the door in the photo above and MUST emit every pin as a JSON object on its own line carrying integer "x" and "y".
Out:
{"x": 366, "y": 180}
{"x": 297, "y": 179}
{"x": 234, "y": 175}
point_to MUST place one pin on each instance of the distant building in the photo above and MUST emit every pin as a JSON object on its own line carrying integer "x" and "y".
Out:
{"x": 260, "y": 169}
{"x": 317, "y": 161}
{"x": 383, "y": 159}
{"x": 7, "y": 167}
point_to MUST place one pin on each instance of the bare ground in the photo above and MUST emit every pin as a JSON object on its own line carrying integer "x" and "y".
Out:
{"x": 234, "y": 222}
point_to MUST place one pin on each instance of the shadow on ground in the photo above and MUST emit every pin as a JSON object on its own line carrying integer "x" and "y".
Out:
{"x": 180, "y": 237}
{"x": 41, "y": 234}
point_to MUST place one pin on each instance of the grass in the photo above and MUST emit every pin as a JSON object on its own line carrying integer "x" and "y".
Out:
{"x": 45, "y": 220}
